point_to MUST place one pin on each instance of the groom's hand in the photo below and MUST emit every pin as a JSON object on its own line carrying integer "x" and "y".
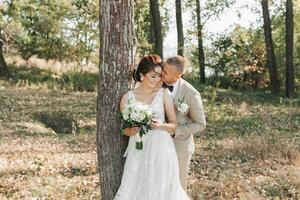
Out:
{"x": 131, "y": 131}
{"x": 155, "y": 124}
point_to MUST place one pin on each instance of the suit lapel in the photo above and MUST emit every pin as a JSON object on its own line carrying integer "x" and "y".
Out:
{"x": 178, "y": 93}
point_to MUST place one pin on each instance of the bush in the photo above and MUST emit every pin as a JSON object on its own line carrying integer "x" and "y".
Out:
{"x": 60, "y": 122}
{"x": 32, "y": 75}
{"x": 72, "y": 80}
{"x": 222, "y": 82}
{"x": 81, "y": 81}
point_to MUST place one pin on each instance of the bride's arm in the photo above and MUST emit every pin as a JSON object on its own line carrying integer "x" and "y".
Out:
{"x": 171, "y": 125}
{"x": 128, "y": 131}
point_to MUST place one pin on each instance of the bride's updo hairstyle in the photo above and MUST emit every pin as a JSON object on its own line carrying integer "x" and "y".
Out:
{"x": 146, "y": 64}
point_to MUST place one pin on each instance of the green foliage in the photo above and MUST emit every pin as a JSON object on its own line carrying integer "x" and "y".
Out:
{"x": 75, "y": 171}
{"x": 31, "y": 75}
{"x": 238, "y": 60}
{"x": 43, "y": 23}
{"x": 60, "y": 29}
{"x": 77, "y": 81}
{"x": 222, "y": 81}
{"x": 209, "y": 11}
{"x": 84, "y": 35}
{"x": 280, "y": 190}
{"x": 4, "y": 102}
{"x": 278, "y": 22}
{"x": 81, "y": 81}
{"x": 60, "y": 122}
{"x": 143, "y": 29}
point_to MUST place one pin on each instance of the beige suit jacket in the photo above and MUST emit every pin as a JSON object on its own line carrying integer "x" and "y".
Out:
{"x": 190, "y": 122}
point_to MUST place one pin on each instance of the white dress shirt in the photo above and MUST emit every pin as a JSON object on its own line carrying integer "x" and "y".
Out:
{"x": 175, "y": 88}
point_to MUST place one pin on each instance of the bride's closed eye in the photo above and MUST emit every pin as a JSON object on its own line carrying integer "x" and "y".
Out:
{"x": 155, "y": 76}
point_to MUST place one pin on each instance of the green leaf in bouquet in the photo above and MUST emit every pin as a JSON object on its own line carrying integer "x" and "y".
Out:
{"x": 126, "y": 124}
{"x": 139, "y": 145}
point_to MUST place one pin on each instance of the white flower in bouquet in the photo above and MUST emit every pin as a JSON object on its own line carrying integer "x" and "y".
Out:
{"x": 139, "y": 112}
{"x": 126, "y": 113}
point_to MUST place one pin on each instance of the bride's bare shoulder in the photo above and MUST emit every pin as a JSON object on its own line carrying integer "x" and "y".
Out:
{"x": 125, "y": 96}
{"x": 124, "y": 100}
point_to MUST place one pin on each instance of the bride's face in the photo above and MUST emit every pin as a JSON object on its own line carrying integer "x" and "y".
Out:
{"x": 152, "y": 78}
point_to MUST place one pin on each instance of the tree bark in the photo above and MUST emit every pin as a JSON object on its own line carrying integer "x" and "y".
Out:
{"x": 289, "y": 73}
{"x": 157, "y": 27}
{"x": 116, "y": 59}
{"x": 180, "y": 37}
{"x": 270, "y": 49}
{"x": 201, "y": 56}
{"x": 4, "y": 72}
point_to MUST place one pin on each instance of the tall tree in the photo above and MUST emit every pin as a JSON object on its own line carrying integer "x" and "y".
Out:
{"x": 4, "y": 71}
{"x": 201, "y": 57}
{"x": 270, "y": 49}
{"x": 143, "y": 27}
{"x": 116, "y": 59}
{"x": 210, "y": 10}
{"x": 289, "y": 23}
{"x": 180, "y": 37}
{"x": 84, "y": 21}
{"x": 157, "y": 27}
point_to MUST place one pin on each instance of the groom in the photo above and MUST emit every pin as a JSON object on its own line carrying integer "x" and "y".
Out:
{"x": 189, "y": 112}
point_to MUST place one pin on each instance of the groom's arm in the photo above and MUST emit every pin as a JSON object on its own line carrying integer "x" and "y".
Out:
{"x": 197, "y": 116}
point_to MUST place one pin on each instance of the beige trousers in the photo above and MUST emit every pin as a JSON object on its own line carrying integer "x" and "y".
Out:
{"x": 184, "y": 159}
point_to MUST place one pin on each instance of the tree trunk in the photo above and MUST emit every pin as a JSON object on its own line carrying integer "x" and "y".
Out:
{"x": 180, "y": 38}
{"x": 4, "y": 72}
{"x": 116, "y": 59}
{"x": 289, "y": 78}
{"x": 269, "y": 48}
{"x": 201, "y": 57}
{"x": 157, "y": 27}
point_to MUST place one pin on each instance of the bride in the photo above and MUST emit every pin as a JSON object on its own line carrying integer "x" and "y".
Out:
{"x": 151, "y": 173}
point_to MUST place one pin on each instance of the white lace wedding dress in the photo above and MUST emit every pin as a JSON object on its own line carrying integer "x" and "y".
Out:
{"x": 152, "y": 173}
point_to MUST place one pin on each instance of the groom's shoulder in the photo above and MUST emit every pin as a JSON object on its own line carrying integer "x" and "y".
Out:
{"x": 189, "y": 87}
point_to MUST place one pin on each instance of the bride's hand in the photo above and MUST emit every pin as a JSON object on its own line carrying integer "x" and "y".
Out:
{"x": 131, "y": 131}
{"x": 155, "y": 123}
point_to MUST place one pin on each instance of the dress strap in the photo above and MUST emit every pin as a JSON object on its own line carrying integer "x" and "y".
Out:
{"x": 130, "y": 95}
{"x": 161, "y": 93}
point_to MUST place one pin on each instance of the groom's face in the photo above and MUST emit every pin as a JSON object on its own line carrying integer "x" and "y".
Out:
{"x": 170, "y": 75}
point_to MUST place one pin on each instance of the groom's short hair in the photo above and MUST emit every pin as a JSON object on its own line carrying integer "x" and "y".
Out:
{"x": 179, "y": 62}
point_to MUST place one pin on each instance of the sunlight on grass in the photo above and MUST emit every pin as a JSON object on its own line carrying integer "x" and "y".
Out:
{"x": 250, "y": 148}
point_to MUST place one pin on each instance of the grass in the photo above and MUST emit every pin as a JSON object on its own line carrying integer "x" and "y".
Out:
{"x": 250, "y": 149}
{"x": 71, "y": 81}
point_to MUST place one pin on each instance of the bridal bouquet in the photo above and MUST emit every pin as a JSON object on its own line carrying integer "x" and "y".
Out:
{"x": 137, "y": 114}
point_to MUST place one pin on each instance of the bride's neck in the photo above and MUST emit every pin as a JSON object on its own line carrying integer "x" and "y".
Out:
{"x": 145, "y": 90}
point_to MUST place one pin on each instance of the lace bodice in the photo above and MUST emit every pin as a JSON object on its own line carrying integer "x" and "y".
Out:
{"x": 157, "y": 104}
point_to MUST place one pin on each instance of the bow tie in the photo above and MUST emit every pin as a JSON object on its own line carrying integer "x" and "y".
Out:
{"x": 170, "y": 87}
